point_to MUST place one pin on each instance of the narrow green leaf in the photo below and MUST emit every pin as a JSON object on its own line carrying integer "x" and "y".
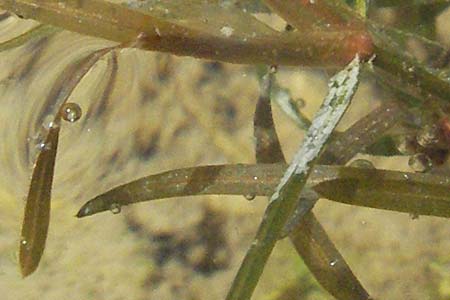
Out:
{"x": 283, "y": 201}
{"x": 262, "y": 179}
{"x": 418, "y": 194}
{"x": 37, "y": 209}
{"x": 325, "y": 262}
{"x": 267, "y": 148}
{"x": 361, "y": 134}
{"x": 308, "y": 233}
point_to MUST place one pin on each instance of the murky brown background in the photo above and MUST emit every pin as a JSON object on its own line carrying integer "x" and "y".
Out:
{"x": 165, "y": 112}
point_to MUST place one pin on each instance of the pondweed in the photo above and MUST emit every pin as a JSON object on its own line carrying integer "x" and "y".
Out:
{"x": 321, "y": 34}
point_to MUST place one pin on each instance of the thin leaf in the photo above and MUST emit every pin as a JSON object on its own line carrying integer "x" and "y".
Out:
{"x": 362, "y": 134}
{"x": 324, "y": 260}
{"x": 262, "y": 179}
{"x": 405, "y": 71}
{"x": 267, "y": 148}
{"x": 308, "y": 234}
{"x": 283, "y": 98}
{"x": 282, "y": 202}
{"x": 37, "y": 209}
{"x": 417, "y": 194}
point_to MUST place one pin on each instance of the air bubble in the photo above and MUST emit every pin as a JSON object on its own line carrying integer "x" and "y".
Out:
{"x": 115, "y": 208}
{"x": 333, "y": 262}
{"x": 250, "y": 196}
{"x": 24, "y": 244}
{"x": 420, "y": 162}
{"x": 362, "y": 163}
{"x": 43, "y": 146}
{"x": 71, "y": 112}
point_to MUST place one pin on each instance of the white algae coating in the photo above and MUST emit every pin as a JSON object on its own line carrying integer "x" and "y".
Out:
{"x": 342, "y": 87}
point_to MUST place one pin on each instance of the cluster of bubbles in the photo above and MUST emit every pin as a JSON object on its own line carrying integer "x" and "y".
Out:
{"x": 428, "y": 147}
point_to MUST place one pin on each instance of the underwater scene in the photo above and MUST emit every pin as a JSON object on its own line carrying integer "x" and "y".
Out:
{"x": 297, "y": 150}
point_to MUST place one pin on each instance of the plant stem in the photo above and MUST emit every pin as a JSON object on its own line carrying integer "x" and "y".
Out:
{"x": 312, "y": 48}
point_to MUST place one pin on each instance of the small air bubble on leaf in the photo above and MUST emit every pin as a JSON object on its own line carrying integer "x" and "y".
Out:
{"x": 43, "y": 146}
{"x": 115, "y": 208}
{"x": 71, "y": 112}
{"x": 250, "y": 196}
{"x": 300, "y": 102}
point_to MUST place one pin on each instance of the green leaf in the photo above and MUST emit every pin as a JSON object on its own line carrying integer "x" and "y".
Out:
{"x": 417, "y": 194}
{"x": 305, "y": 232}
{"x": 37, "y": 208}
{"x": 282, "y": 203}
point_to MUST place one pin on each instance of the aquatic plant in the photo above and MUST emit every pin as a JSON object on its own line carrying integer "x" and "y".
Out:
{"x": 337, "y": 35}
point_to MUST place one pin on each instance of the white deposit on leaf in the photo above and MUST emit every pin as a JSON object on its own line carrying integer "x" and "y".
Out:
{"x": 342, "y": 87}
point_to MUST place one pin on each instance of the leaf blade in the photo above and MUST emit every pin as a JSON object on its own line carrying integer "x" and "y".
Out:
{"x": 37, "y": 209}
{"x": 282, "y": 202}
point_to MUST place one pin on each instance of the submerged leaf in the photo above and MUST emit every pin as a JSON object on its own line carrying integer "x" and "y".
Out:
{"x": 267, "y": 148}
{"x": 283, "y": 201}
{"x": 262, "y": 179}
{"x": 325, "y": 262}
{"x": 418, "y": 194}
{"x": 308, "y": 233}
{"x": 37, "y": 208}
{"x": 361, "y": 134}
